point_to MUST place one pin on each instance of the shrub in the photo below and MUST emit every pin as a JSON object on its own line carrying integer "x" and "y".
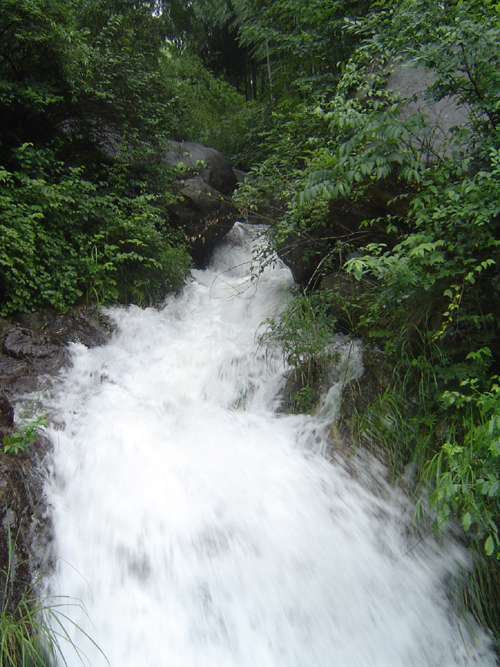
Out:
{"x": 64, "y": 237}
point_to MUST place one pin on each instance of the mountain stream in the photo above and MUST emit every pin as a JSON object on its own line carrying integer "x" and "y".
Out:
{"x": 197, "y": 526}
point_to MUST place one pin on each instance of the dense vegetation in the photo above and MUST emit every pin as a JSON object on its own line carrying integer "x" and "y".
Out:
{"x": 393, "y": 229}
{"x": 89, "y": 93}
{"x": 406, "y": 219}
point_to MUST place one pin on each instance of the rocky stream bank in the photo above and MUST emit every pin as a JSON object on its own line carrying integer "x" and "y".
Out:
{"x": 33, "y": 349}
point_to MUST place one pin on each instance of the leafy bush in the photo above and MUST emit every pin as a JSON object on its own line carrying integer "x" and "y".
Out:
{"x": 64, "y": 237}
{"x": 281, "y": 143}
{"x": 467, "y": 469}
{"x": 80, "y": 85}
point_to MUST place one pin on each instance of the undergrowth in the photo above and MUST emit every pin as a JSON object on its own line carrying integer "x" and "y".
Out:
{"x": 33, "y": 627}
{"x": 416, "y": 212}
{"x": 302, "y": 333}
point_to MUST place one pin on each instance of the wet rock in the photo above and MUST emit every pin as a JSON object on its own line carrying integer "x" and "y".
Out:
{"x": 37, "y": 345}
{"x": 302, "y": 255}
{"x": 198, "y": 199}
{"x": 205, "y": 211}
{"x": 87, "y": 326}
{"x": 18, "y": 343}
{"x": 33, "y": 349}
{"x": 6, "y": 412}
{"x": 26, "y": 355}
{"x": 205, "y": 215}
{"x": 16, "y": 377}
{"x": 44, "y": 352}
{"x": 24, "y": 522}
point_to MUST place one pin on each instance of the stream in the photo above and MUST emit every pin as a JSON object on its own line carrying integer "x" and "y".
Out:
{"x": 197, "y": 526}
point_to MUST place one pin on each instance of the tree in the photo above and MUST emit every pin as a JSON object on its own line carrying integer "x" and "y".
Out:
{"x": 84, "y": 106}
{"x": 294, "y": 44}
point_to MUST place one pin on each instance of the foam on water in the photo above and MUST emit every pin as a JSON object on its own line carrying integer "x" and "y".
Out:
{"x": 199, "y": 527}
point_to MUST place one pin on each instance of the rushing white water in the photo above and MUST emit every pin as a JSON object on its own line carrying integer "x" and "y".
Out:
{"x": 200, "y": 528}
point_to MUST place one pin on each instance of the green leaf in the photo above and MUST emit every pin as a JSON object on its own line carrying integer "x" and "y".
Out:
{"x": 489, "y": 546}
{"x": 466, "y": 521}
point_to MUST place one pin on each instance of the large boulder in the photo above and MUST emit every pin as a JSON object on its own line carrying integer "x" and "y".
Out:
{"x": 205, "y": 211}
{"x": 413, "y": 84}
{"x": 205, "y": 215}
{"x": 36, "y": 345}
{"x": 209, "y": 163}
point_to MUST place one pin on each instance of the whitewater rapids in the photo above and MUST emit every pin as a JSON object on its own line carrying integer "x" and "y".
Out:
{"x": 196, "y": 526}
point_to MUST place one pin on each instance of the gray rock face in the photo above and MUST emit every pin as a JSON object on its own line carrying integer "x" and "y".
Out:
{"x": 205, "y": 212}
{"x": 25, "y": 354}
{"x": 37, "y": 346}
{"x": 413, "y": 82}
{"x": 217, "y": 172}
{"x": 44, "y": 354}
{"x": 206, "y": 216}
{"x": 202, "y": 199}
{"x": 6, "y": 412}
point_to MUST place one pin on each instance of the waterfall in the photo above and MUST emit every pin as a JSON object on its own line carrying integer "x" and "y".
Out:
{"x": 195, "y": 525}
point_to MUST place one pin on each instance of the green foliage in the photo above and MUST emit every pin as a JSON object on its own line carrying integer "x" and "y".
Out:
{"x": 448, "y": 262}
{"x": 21, "y": 440}
{"x": 206, "y": 108}
{"x": 327, "y": 149}
{"x": 368, "y": 139}
{"x": 384, "y": 427}
{"x": 117, "y": 91}
{"x": 449, "y": 257}
{"x": 20, "y": 645}
{"x": 84, "y": 108}
{"x": 303, "y": 334}
{"x": 35, "y": 57}
{"x": 430, "y": 296}
{"x": 458, "y": 40}
{"x": 85, "y": 69}
{"x": 303, "y": 330}
{"x": 381, "y": 145}
{"x": 297, "y": 44}
{"x": 467, "y": 468}
{"x": 280, "y": 144}
{"x": 64, "y": 236}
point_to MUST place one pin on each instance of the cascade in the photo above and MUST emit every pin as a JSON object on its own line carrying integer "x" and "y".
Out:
{"x": 197, "y": 526}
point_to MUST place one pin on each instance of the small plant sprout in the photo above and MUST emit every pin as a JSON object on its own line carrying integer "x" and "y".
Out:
{"x": 21, "y": 440}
